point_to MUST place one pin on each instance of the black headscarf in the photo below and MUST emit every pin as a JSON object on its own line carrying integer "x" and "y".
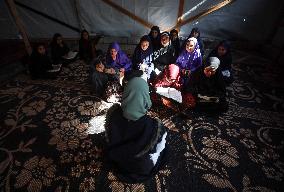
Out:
{"x": 156, "y": 42}
{"x": 39, "y": 63}
{"x": 175, "y": 42}
{"x": 140, "y": 55}
{"x": 225, "y": 60}
{"x": 57, "y": 51}
{"x": 85, "y": 47}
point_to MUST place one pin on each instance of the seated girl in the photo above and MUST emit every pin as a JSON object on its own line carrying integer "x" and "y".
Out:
{"x": 143, "y": 56}
{"x": 136, "y": 142}
{"x": 117, "y": 61}
{"x": 155, "y": 37}
{"x": 223, "y": 53}
{"x": 99, "y": 78}
{"x": 211, "y": 88}
{"x": 104, "y": 83}
{"x": 165, "y": 55}
{"x": 196, "y": 34}
{"x": 170, "y": 77}
{"x": 86, "y": 49}
{"x": 60, "y": 52}
{"x": 40, "y": 65}
{"x": 190, "y": 62}
{"x": 167, "y": 90}
{"x": 175, "y": 41}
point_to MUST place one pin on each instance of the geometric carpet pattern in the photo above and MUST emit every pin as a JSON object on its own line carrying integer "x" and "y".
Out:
{"x": 51, "y": 137}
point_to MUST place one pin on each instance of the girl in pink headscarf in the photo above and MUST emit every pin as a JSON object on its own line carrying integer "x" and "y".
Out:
{"x": 171, "y": 78}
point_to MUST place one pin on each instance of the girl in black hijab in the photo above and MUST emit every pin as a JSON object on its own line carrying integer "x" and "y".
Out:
{"x": 143, "y": 55}
{"x": 223, "y": 53}
{"x": 58, "y": 49}
{"x": 40, "y": 66}
{"x": 155, "y": 37}
{"x": 175, "y": 41}
{"x": 86, "y": 49}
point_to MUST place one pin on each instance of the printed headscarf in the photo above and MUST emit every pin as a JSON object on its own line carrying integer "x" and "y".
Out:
{"x": 190, "y": 60}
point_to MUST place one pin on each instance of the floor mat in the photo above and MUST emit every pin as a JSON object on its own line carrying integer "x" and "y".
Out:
{"x": 52, "y": 137}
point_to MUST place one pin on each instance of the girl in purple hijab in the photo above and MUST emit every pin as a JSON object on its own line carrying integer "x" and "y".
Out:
{"x": 190, "y": 61}
{"x": 116, "y": 59}
{"x": 190, "y": 58}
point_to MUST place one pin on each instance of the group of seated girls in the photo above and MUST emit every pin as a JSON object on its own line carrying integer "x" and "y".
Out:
{"x": 41, "y": 66}
{"x": 178, "y": 76}
{"x": 137, "y": 143}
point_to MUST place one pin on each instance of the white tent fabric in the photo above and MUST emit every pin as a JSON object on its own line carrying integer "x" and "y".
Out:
{"x": 249, "y": 20}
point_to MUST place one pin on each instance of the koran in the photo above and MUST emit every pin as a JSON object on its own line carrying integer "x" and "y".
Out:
{"x": 170, "y": 93}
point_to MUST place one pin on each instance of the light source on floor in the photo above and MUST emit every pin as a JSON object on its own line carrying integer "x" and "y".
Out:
{"x": 97, "y": 123}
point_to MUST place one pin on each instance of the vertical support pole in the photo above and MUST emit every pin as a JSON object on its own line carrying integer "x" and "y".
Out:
{"x": 180, "y": 11}
{"x": 19, "y": 24}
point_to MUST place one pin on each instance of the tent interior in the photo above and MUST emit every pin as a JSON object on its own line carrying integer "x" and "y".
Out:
{"x": 52, "y": 135}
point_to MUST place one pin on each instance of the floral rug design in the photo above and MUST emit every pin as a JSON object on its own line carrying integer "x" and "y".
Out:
{"x": 52, "y": 137}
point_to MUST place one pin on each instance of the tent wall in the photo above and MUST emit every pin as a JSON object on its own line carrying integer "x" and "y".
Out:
{"x": 276, "y": 49}
{"x": 247, "y": 20}
{"x": 7, "y": 25}
{"x": 253, "y": 19}
{"x": 38, "y": 26}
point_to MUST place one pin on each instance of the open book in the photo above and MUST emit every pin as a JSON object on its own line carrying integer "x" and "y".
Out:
{"x": 147, "y": 69}
{"x": 56, "y": 68}
{"x": 207, "y": 99}
{"x": 71, "y": 55}
{"x": 170, "y": 93}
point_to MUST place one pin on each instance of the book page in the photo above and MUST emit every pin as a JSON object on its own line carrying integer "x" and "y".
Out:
{"x": 170, "y": 93}
{"x": 70, "y": 55}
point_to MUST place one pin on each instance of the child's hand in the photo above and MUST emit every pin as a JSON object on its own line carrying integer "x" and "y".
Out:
{"x": 108, "y": 71}
{"x": 112, "y": 71}
{"x": 122, "y": 70}
{"x": 209, "y": 71}
{"x": 185, "y": 72}
{"x": 100, "y": 70}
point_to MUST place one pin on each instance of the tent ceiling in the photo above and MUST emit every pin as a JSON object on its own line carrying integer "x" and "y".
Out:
{"x": 252, "y": 19}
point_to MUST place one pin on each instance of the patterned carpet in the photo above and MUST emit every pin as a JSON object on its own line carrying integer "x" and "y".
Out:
{"x": 51, "y": 139}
